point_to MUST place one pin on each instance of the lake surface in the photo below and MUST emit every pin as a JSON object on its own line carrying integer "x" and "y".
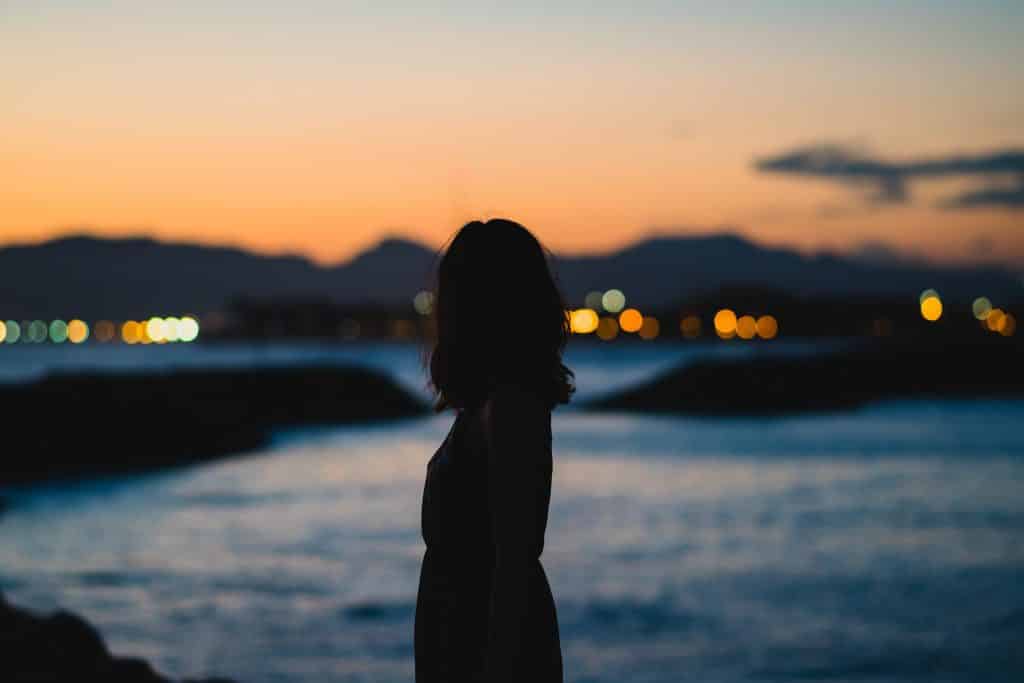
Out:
{"x": 885, "y": 544}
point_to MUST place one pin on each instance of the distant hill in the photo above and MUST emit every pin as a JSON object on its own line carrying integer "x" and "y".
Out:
{"x": 93, "y": 277}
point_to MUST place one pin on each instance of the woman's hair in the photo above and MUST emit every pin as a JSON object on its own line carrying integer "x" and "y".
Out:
{"x": 499, "y": 317}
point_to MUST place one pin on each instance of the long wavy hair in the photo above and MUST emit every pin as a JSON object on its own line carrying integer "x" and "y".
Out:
{"x": 498, "y": 317}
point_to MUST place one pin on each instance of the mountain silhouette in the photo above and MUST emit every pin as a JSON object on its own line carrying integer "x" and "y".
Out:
{"x": 92, "y": 277}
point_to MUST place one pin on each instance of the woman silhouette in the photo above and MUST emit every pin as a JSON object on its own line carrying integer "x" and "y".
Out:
{"x": 484, "y": 610}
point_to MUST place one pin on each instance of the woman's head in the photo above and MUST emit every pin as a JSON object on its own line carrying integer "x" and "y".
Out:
{"x": 499, "y": 317}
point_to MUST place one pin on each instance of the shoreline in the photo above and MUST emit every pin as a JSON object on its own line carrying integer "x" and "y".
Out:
{"x": 835, "y": 381}
{"x": 71, "y": 425}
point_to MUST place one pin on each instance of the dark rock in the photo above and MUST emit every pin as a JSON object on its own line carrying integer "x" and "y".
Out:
{"x": 73, "y": 425}
{"x": 763, "y": 386}
{"x": 63, "y": 647}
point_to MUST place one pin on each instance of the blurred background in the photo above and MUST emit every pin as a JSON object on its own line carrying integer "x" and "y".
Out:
{"x": 791, "y": 239}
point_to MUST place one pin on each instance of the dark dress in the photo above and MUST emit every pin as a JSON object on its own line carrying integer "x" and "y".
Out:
{"x": 484, "y": 612}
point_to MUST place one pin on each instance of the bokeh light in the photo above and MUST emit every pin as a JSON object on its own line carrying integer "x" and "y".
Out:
{"x": 608, "y": 328}
{"x": 995, "y": 319}
{"x": 188, "y": 329}
{"x": 423, "y": 302}
{"x": 981, "y": 307}
{"x": 650, "y": 328}
{"x": 593, "y": 300}
{"x": 130, "y": 332}
{"x": 931, "y": 308}
{"x": 104, "y": 331}
{"x": 171, "y": 332}
{"x": 3, "y": 330}
{"x": 767, "y": 327}
{"x": 725, "y": 323}
{"x": 58, "y": 331}
{"x": 690, "y": 327}
{"x": 928, "y": 294}
{"x": 746, "y": 327}
{"x": 583, "y": 321}
{"x": 613, "y": 300}
{"x": 13, "y": 331}
{"x": 156, "y": 329}
{"x": 1009, "y": 325}
{"x": 78, "y": 331}
{"x": 630, "y": 320}
{"x": 37, "y": 331}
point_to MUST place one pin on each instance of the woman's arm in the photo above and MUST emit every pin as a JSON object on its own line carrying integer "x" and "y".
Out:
{"x": 517, "y": 425}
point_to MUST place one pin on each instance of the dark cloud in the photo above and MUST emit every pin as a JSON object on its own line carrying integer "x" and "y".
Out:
{"x": 889, "y": 181}
{"x": 1005, "y": 197}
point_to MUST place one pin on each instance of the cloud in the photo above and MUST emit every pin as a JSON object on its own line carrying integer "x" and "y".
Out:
{"x": 888, "y": 182}
{"x": 1005, "y": 197}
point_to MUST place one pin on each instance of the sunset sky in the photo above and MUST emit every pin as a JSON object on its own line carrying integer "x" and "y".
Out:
{"x": 319, "y": 127}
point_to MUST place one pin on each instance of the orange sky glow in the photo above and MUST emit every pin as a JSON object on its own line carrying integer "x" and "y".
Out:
{"x": 292, "y": 132}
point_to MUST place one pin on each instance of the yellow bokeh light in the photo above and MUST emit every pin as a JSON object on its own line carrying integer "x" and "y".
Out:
{"x": 78, "y": 331}
{"x": 156, "y": 329}
{"x": 130, "y": 332}
{"x": 650, "y": 328}
{"x": 583, "y": 321}
{"x": 188, "y": 329}
{"x": 746, "y": 327}
{"x": 630, "y": 320}
{"x": 767, "y": 327}
{"x": 3, "y": 330}
{"x": 931, "y": 308}
{"x": 690, "y": 326}
{"x": 725, "y": 323}
{"x": 607, "y": 329}
{"x": 171, "y": 333}
{"x": 928, "y": 294}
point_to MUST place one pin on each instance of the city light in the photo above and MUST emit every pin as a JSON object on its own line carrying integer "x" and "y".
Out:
{"x": 981, "y": 307}
{"x": 156, "y": 329}
{"x": 188, "y": 329}
{"x": 607, "y": 328}
{"x": 37, "y": 332}
{"x": 130, "y": 332}
{"x": 593, "y": 300}
{"x": 583, "y": 321}
{"x": 725, "y": 323}
{"x": 630, "y": 320}
{"x": 58, "y": 331}
{"x": 104, "y": 331}
{"x": 423, "y": 302}
{"x": 690, "y": 327}
{"x": 13, "y": 331}
{"x": 650, "y": 328}
{"x": 995, "y": 319}
{"x": 171, "y": 331}
{"x": 931, "y": 305}
{"x": 1009, "y": 325}
{"x": 746, "y": 327}
{"x": 767, "y": 327}
{"x": 78, "y": 331}
{"x": 613, "y": 301}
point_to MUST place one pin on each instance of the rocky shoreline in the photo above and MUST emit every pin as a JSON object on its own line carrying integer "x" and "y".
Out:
{"x": 64, "y": 647}
{"x": 66, "y": 426}
{"x": 833, "y": 381}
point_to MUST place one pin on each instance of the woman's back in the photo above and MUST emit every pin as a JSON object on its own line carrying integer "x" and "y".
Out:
{"x": 484, "y": 610}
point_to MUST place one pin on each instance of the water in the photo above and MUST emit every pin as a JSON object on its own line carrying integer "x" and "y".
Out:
{"x": 885, "y": 544}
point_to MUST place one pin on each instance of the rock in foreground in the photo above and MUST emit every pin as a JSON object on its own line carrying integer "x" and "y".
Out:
{"x": 70, "y": 425}
{"x": 63, "y": 647}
